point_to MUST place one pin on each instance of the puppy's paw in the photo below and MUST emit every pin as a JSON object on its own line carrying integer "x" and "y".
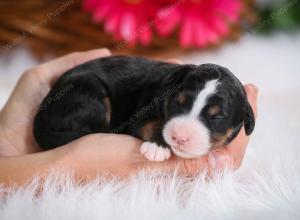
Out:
{"x": 154, "y": 152}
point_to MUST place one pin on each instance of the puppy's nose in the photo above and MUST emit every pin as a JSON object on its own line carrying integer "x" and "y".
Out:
{"x": 180, "y": 140}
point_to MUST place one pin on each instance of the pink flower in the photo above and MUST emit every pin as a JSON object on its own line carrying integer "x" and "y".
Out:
{"x": 129, "y": 20}
{"x": 200, "y": 22}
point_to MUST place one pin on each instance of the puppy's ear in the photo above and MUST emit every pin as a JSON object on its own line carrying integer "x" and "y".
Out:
{"x": 249, "y": 119}
{"x": 175, "y": 78}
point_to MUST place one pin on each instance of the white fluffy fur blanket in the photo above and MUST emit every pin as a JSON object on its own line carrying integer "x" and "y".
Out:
{"x": 267, "y": 186}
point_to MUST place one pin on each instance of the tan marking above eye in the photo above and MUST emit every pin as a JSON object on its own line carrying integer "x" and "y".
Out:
{"x": 213, "y": 110}
{"x": 107, "y": 104}
{"x": 181, "y": 98}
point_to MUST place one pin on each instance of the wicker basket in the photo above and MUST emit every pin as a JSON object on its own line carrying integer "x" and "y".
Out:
{"x": 52, "y": 27}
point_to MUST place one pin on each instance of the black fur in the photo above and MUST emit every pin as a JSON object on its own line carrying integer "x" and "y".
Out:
{"x": 139, "y": 91}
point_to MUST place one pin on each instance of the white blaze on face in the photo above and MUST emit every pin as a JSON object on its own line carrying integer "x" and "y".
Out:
{"x": 186, "y": 134}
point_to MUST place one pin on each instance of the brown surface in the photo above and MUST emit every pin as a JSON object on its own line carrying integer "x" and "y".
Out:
{"x": 53, "y": 28}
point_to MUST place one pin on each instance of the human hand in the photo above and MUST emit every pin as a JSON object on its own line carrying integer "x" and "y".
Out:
{"x": 16, "y": 118}
{"x": 119, "y": 155}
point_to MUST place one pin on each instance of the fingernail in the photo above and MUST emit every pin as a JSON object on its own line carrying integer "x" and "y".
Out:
{"x": 218, "y": 160}
{"x": 174, "y": 61}
{"x": 106, "y": 51}
{"x": 101, "y": 51}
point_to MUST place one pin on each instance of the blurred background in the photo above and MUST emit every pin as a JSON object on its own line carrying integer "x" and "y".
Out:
{"x": 259, "y": 41}
{"x": 154, "y": 28}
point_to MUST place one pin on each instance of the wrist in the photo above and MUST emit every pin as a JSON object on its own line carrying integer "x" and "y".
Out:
{"x": 6, "y": 147}
{"x": 50, "y": 162}
{"x": 71, "y": 158}
{"x": 86, "y": 159}
{"x": 22, "y": 169}
{"x": 60, "y": 158}
{"x": 68, "y": 160}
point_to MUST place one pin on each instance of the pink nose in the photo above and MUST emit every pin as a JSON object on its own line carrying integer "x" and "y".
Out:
{"x": 180, "y": 140}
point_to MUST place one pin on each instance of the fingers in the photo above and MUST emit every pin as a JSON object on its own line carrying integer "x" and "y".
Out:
{"x": 191, "y": 167}
{"x": 50, "y": 71}
{"x": 252, "y": 93}
{"x": 186, "y": 167}
{"x": 175, "y": 61}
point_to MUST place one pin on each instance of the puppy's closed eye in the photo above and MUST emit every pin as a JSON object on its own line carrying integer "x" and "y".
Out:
{"x": 214, "y": 110}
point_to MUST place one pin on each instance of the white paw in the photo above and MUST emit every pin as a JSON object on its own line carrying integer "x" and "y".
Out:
{"x": 154, "y": 152}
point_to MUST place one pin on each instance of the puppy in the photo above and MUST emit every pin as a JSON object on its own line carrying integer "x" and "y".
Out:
{"x": 186, "y": 109}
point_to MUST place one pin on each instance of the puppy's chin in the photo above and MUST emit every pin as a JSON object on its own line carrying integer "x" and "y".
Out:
{"x": 189, "y": 154}
{"x": 187, "y": 136}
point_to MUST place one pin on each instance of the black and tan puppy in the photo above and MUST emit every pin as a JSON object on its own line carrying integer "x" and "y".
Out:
{"x": 186, "y": 109}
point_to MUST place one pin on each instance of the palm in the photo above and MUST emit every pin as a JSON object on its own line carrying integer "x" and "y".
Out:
{"x": 16, "y": 118}
{"x": 18, "y": 113}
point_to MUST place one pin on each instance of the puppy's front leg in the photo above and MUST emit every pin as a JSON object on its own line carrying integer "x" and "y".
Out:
{"x": 154, "y": 148}
{"x": 155, "y": 152}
